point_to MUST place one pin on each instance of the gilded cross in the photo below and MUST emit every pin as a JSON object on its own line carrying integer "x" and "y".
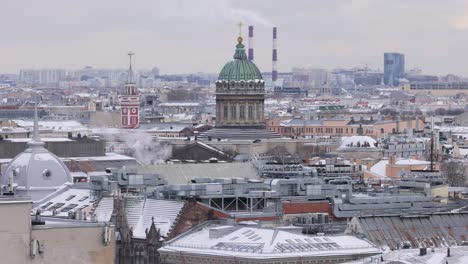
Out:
{"x": 240, "y": 29}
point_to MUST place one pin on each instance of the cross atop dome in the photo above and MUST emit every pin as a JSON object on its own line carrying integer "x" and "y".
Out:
{"x": 239, "y": 38}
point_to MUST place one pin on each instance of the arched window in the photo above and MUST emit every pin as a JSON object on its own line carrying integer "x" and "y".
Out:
{"x": 382, "y": 130}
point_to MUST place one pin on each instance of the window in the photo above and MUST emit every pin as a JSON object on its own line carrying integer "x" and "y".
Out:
{"x": 233, "y": 112}
{"x": 56, "y": 206}
{"x": 83, "y": 198}
{"x": 242, "y": 111}
{"x": 70, "y": 197}
{"x": 46, "y": 205}
{"x": 225, "y": 111}
{"x": 68, "y": 207}
{"x": 250, "y": 111}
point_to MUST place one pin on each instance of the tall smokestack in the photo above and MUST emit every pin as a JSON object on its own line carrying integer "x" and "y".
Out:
{"x": 251, "y": 50}
{"x": 274, "y": 72}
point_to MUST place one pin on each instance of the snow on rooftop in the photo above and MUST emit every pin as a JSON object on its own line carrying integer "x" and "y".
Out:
{"x": 412, "y": 162}
{"x": 458, "y": 255}
{"x": 141, "y": 211}
{"x": 64, "y": 201}
{"x": 110, "y": 156}
{"x": 67, "y": 126}
{"x": 379, "y": 169}
{"x": 252, "y": 242}
{"x": 354, "y": 141}
{"x": 180, "y": 104}
{"x": 104, "y": 209}
{"x": 60, "y": 139}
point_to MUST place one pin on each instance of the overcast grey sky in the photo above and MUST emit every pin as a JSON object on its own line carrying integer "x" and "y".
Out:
{"x": 181, "y": 36}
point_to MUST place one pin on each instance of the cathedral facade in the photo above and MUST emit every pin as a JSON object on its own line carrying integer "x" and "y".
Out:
{"x": 240, "y": 93}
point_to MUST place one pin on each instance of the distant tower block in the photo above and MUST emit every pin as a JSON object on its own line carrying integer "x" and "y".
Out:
{"x": 274, "y": 72}
{"x": 251, "y": 50}
{"x": 130, "y": 101}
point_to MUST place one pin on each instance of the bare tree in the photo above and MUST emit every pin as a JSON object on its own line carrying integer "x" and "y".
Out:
{"x": 455, "y": 172}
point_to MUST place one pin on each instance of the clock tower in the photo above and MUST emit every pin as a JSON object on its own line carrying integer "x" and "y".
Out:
{"x": 130, "y": 101}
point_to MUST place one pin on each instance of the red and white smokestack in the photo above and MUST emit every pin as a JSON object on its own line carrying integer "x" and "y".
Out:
{"x": 274, "y": 72}
{"x": 251, "y": 50}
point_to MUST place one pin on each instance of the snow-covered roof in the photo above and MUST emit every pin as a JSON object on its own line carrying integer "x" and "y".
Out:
{"x": 253, "y": 242}
{"x": 104, "y": 209}
{"x": 65, "y": 200}
{"x": 354, "y": 141}
{"x": 59, "y": 126}
{"x": 379, "y": 169}
{"x": 43, "y": 139}
{"x": 140, "y": 211}
{"x": 459, "y": 255}
{"x": 411, "y": 162}
{"x": 192, "y": 104}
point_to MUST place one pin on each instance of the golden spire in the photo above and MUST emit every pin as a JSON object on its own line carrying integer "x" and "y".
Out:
{"x": 239, "y": 39}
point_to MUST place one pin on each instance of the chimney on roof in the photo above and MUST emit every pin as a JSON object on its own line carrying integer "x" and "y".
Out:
{"x": 251, "y": 50}
{"x": 274, "y": 72}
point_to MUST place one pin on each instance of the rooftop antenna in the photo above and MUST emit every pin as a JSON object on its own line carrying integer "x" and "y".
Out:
{"x": 36, "y": 125}
{"x": 130, "y": 71}
{"x": 432, "y": 144}
{"x": 36, "y": 140}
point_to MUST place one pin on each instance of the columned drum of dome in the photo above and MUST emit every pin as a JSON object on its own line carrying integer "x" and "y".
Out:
{"x": 240, "y": 96}
{"x": 240, "y": 93}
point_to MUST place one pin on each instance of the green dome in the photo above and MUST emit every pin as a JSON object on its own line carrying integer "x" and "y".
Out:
{"x": 240, "y": 69}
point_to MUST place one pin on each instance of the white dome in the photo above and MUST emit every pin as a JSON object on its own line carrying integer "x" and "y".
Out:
{"x": 36, "y": 172}
{"x": 358, "y": 141}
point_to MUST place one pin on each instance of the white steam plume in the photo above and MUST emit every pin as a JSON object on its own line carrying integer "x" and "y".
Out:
{"x": 143, "y": 147}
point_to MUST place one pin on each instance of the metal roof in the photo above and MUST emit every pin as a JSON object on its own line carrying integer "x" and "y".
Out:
{"x": 240, "y": 68}
{"x": 435, "y": 230}
{"x": 184, "y": 173}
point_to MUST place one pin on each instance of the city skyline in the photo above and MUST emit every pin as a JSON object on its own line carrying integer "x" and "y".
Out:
{"x": 184, "y": 37}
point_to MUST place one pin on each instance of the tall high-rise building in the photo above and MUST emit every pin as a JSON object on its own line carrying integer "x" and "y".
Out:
{"x": 394, "y": 68}
{"x": 130, "y": 101}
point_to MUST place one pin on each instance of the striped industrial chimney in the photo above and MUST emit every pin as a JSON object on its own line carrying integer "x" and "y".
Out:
{"x": 251, "y": 50}
{"x": 274, "y": 72}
